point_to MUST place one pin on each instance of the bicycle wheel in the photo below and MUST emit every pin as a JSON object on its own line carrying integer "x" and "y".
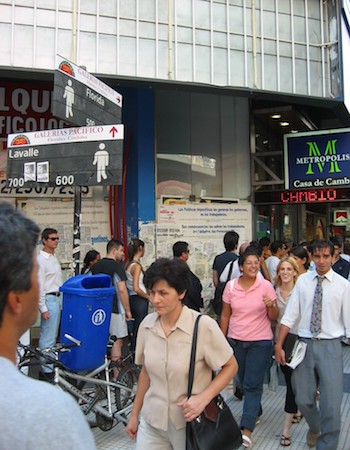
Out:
{"x": 123, "y": 397}
{"x": 104, "y": 423}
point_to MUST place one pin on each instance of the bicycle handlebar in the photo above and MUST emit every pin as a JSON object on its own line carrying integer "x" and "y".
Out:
{"x": 48, "y": 353}
{"x": 73, "y": 339}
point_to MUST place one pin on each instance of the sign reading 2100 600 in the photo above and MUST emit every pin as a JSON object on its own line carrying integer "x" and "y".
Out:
{"x": 317, "y": 159}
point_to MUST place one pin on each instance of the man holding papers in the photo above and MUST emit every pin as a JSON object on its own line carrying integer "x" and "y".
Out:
{"x": 320, "y": 305}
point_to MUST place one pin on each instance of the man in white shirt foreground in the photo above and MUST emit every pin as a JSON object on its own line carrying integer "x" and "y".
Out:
{"x": 34, "y": 415}
{"x": 320, "y": 302}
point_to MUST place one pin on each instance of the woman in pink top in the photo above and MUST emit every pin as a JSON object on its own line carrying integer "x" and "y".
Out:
{"x": 249, "y": 306}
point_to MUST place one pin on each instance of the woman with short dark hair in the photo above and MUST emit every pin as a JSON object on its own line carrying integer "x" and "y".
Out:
{"x": 163, "y": 349}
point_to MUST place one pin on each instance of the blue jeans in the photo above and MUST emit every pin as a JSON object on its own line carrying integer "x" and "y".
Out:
{"x": 253, "y": 358}
{"x": 49, "y": 328}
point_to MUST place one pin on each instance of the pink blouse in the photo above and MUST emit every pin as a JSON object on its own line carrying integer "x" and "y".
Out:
{"x": 249, "y": 320}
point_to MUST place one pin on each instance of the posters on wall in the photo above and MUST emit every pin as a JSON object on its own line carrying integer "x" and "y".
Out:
{"x": 59, "y": 214}
{"x": 201, "y": 225}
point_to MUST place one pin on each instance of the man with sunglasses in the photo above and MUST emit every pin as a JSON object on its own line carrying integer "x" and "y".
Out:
{"x": 50, "y": 278}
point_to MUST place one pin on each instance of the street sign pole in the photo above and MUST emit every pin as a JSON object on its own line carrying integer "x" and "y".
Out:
{"x": 84, "y": 100}
{"x": 76, "y": 230}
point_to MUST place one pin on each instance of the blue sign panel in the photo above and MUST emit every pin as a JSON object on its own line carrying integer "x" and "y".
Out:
{"x": 317, "y": 159}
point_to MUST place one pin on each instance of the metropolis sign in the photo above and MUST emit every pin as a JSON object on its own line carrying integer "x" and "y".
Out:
{"x": 317, "y": 159}
{"x": 84, "y": 156}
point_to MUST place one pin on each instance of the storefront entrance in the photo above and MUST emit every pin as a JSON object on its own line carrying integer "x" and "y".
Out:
{"x": 303, "y": 222}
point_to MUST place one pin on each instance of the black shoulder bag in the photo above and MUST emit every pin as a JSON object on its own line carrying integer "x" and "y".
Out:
{"x": 215, "y": 428}
{"x": 216, "y": 302}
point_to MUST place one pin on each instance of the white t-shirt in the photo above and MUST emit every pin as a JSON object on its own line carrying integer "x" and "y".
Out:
{"x": 271, "y": 264}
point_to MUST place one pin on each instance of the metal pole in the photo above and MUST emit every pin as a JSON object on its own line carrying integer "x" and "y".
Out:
{"x": 76, "y": 231}
{"x": 77, "y": 220}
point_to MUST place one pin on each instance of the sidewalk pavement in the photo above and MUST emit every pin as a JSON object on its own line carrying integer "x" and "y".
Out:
{"x": 266, "y": 435}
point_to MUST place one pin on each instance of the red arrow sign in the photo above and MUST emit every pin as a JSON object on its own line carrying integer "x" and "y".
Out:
{"x": 114, "y": 131}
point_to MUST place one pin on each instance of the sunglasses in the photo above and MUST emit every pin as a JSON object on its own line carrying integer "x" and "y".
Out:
{"x": 54, "y": 239}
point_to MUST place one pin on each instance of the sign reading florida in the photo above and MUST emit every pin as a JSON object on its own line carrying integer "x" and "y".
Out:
{"x": 317, "y": 159}
{"x": 82, "y": 99}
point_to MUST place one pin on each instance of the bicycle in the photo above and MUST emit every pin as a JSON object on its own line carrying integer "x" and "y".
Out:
{"x": 94, "y": 389}
{"x": 128, "y": 371}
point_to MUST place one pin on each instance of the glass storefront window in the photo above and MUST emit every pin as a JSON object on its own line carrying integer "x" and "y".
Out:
{"x": 202, "y": 145}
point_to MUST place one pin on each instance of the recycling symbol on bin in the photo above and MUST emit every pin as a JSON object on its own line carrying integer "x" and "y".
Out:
{"x": 98, "y": 317}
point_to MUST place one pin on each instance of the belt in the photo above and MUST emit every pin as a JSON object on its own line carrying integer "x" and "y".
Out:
{"x": 56, "y": 294}
{"x": 315, "y": 338}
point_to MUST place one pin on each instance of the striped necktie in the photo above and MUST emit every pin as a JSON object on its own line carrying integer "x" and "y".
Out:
{"x": 316, "y": 315}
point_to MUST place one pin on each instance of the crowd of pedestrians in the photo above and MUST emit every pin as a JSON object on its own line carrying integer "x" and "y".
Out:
{"x": 272, "y": 291}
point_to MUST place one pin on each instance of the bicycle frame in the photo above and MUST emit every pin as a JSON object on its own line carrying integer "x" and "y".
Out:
{"x": 101, "y": 386}
{"x": 60, "y": 379}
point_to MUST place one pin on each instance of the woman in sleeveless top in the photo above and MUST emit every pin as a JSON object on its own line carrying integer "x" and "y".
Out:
{"x": 286, "y": 276}
{"x": 138, "y": 296}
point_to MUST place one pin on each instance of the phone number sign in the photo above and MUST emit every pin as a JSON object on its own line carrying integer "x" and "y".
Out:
{"x": 83, "y": 156}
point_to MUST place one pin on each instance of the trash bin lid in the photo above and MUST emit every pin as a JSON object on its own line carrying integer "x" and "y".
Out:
{"x": 88, "y": 283}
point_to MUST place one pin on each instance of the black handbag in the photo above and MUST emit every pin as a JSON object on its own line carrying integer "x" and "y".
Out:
{"x": 289, "y": 346}
{"x": 216, "y": 302}
{"x": 215, "y": 428}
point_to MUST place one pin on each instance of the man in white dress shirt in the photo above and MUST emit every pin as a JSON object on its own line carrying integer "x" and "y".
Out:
{"x": 50, "y": 278}
{"x": 322, "y": 330}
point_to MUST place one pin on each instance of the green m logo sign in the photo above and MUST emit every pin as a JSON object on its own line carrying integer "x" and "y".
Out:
{"x": 318, "y": 160}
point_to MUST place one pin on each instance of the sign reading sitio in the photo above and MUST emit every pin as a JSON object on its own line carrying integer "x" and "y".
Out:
{"x": 84, "y": 156}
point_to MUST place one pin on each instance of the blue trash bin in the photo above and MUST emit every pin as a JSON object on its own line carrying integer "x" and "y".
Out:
{"x": 86, "y": 313}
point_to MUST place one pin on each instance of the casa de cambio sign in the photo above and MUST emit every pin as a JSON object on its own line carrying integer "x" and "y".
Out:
{"x": 83, "y": 156}
{"x": 317, "y": 160}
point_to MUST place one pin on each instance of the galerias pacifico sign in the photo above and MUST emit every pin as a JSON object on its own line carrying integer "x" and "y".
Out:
{"x": 317, "y": 159}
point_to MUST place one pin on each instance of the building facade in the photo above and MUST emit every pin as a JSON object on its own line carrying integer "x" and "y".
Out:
{"x": 210, "y": 88}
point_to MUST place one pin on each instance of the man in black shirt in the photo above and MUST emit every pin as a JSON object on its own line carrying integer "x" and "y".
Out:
{"x": 231, "y": 243}
{"x": 193, "y": 298}
{"x": 111, "y": 265}
{"x": 340, "y": 265}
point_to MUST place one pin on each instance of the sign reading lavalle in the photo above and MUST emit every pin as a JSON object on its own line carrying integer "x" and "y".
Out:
{"x": 84, "y": 156}
{"x": 82, "y": 99}
{"x": 317, "y": 159}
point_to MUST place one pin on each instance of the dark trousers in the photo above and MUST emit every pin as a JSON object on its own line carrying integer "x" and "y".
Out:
{"x": 290, "y": 405}
{"x": 139, "y": 310}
